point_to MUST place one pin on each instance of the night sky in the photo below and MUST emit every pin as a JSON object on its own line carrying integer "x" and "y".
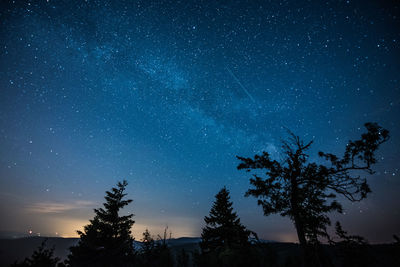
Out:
{"x": 165, "y": 94}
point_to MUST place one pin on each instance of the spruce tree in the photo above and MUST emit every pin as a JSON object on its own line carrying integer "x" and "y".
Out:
{"x": 223, "y": 227}
{"x": 107, "y": 240}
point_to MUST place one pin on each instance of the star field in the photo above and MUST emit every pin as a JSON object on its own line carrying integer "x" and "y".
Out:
{"x": 165, "y": 94}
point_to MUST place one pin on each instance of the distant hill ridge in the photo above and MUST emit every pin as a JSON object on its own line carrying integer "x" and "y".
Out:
{"x": 12, "y": 248}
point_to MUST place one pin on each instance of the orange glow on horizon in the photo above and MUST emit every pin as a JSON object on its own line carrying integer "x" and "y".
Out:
{"x": 67, "y": 228}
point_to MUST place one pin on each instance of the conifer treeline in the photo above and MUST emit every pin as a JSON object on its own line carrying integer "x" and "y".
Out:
{"x": 293, "y": 187}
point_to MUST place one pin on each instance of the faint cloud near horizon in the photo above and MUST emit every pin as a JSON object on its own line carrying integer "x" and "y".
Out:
{"x": 54, "y": 207}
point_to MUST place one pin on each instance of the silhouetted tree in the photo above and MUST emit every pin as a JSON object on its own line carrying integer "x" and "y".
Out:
{"x": 395, "y": 251}
{"x": 162, "y": 240}
{"x": 41, "y": 257}
{"x": 154, "y": 253}
{"x": 346, "y": 238}
{"x": 396, "y": 240}
{"x": 227, "y": 243}
{"x": 223, "y": 228}
{"x": 147, "y": 242}
{"x": 107, "y": 240}
{"x": 301, "y": 190}
{"x": 182, "y": 259}
{"x": 148, "y": 247}
{"x": 352, "y": 250}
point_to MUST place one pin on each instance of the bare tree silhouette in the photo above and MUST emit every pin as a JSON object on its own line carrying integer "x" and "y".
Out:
{"x": 306, "y": 191}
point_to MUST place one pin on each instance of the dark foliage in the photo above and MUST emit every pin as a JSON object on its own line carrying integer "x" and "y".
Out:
{"x": 154, "y": 253}
{"x": 306, "y": 191}
{"x": 352, "y": 250}
{"x": 148, "y": 243}
{"x": 41, "y": 257}
{"x": 223, "y": 229}
{"x": 395, "y": 250}
{"x": 352, "y": 240}
{"x": 182, "y": 259}
{"x": 107, "y": 240}
{"x": 253, "y": 255}
{"x": 225, "y": 241}
{"x": 396, "y": 240}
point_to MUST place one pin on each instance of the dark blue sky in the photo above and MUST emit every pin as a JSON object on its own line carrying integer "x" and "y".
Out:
{"x": 166, "y": 93}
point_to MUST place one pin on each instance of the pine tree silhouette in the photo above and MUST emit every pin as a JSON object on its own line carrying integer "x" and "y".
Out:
{"x": 148, "y": 248}
{"x": 306, "y": 192}
{"x": 107, "y": 240}
{"x": 223, "y": 228}
{"x": 147, "y": 242}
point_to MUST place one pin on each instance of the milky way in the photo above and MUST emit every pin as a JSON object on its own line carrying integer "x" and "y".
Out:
{"x": 165, "y": 94}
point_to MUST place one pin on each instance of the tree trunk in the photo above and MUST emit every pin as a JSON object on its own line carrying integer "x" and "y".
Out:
{"x": 294, "y": 202}
{"x": 300, "y": 231}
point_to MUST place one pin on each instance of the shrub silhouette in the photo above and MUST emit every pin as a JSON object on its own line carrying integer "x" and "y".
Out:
{"x": 352, "y": 250}
{"x": 183, "y": 259}
{"x": 41, "y": 257}
{"x": 107, "y": 240}
{"x": 154, "y": 253}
